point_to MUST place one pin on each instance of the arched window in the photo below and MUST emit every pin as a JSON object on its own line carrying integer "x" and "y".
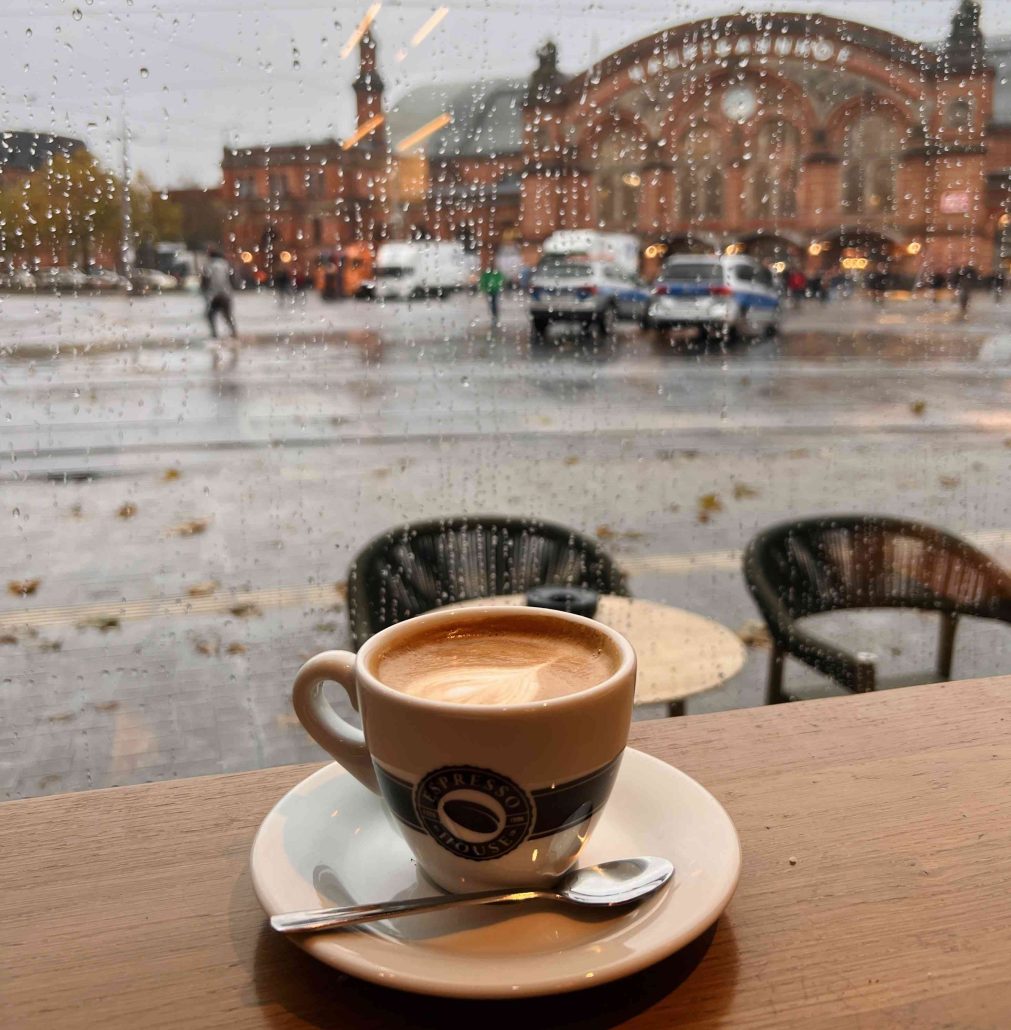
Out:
{"x": 960, "y": 114}
{"x": 775, "y": 170}
{"x": 618, "y": 159}
{"x": 870, "y": 164}
{"x": 699, "y": 176}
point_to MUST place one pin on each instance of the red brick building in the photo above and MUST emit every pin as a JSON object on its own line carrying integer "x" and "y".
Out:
{"x": 291, "y": 202}
{"x": 818, "y": 139}
{"x": 803, "y": 137}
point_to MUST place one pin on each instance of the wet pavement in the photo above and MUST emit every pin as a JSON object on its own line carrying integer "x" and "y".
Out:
{"x": 190, "y": 528}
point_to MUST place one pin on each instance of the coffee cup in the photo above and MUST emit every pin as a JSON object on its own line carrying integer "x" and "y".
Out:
{"x": 492, "y": 734}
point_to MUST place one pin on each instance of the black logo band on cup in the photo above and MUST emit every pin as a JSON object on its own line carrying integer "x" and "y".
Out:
{"x": 474, "y": 813}
{"x": 479, "y": 814}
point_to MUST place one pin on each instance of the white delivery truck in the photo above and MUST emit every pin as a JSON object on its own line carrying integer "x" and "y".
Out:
{"x": 615, "y": 248}
{"x": 420, "y": 268}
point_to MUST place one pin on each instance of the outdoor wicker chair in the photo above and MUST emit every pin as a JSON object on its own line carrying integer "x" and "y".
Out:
{"x": 865, "y": 561}
{"x": 422, "y": 565}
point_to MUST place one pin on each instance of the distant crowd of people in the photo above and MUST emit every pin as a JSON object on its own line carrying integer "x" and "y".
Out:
{"x": 959, "y": 283}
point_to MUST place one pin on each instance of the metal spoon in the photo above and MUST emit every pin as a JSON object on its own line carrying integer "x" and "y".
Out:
{"x": 609, "y": 885}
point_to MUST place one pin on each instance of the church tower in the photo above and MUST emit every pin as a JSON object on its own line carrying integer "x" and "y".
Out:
{"x": 964, "y": 108}
{"x": 368, "y": 87}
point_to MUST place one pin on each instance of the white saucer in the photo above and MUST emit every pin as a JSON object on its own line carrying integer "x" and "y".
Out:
{"x": 330, "y": 842}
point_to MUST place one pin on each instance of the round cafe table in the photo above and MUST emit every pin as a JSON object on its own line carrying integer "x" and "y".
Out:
{"x": 680, "y": 653}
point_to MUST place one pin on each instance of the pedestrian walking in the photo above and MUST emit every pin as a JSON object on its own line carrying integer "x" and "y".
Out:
{"x": 963, "y": 282}
{"x": 490, "y": 284}
{"x": 216, "y": 287}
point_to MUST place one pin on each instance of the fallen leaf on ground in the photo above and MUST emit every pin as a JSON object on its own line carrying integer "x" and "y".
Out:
{"x": 918, "y": 407}
{"x": 205, "y": 647}
{"x": 207, "y": 587}
{"x": 605, "y": 532}
{"x": 755, "y": 634}
{"x": 8, "y": 638}
{"x": 799, "y": 452}
{"x": 236, "y": 648}
{"x": 102, "y": 622}
{"x": 127, "y": 511}
{"x": 708, "y": 505}
{"x": 23, "y": 587}
{"x": 169, "y": 474}
{"x": 341, "y": 588}
{"x": 63, "y": 717}
{"x": 244, "y": 611}
{"x": 191, "y": 527}
{"x": 949, "y": 482}
{"x": 572, "y": 459}
{"x": 105, "y": 706}
{"x": 743, "y": 491}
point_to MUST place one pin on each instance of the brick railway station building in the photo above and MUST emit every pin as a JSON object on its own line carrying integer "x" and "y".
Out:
{"x": 797, "y": 137}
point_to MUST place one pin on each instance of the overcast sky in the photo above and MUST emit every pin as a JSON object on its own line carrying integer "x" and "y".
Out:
{"x": 190, "y": 75}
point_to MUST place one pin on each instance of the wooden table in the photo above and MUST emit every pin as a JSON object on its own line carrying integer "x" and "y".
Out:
{"x": 680, "y": 653}
{"x": 876, "y": 890}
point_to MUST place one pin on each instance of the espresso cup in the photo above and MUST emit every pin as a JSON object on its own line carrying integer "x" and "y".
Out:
{"x": 489, "y": 794}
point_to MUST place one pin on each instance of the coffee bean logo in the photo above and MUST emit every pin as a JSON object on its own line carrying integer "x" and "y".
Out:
{"x": 477, "y": 814}
{"x": 471, "y": 816}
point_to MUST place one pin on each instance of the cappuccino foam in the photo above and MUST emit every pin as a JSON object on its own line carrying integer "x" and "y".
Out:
{"x": 497, "y": 661}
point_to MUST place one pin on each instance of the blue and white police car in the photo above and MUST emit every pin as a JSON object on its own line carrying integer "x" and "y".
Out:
{"x": 573, "y": 288}
{"x": 728, "y": 296}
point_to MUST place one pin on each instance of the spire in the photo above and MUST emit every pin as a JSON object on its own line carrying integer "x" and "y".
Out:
{"x": 368, "y": 87}
{"x": 963, "y": 49}
{"x": 368, "y": 79}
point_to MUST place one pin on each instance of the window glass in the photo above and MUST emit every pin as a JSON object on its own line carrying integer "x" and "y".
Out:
{"x": 278, "y": 279}
{"x": 680, "y": 271}
{"x": 562, "y": 269}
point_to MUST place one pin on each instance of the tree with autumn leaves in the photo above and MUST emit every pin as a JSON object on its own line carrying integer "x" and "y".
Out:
{"x": 70, "y": 212}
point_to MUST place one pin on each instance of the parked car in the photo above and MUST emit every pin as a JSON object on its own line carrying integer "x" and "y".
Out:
{"x": 107, "y": 279}
{"x": 18, "y": 279}
{"x": 412, "y": 269}
{"x": 575, "y": 289}
{"x": 729, "y": 296}
{"x": 60, "y": 279}
{"x": 146, "y": 280}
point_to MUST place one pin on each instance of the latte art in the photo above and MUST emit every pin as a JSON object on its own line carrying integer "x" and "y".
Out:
{"x": 489, "y": 664}
{"x": 487, "y": 685}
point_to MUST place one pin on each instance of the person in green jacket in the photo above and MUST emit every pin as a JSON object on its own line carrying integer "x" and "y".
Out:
{"x": 491, "y": 283}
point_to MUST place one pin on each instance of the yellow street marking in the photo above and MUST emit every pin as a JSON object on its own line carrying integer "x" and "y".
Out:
{"x": 129, "y": 611}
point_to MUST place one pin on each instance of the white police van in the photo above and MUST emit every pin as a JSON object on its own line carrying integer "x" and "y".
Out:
{"x": 725, "y": 296}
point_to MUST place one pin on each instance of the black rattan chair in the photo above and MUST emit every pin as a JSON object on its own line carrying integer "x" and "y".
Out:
{"x": 422, "y": 565}
{"x": 865, "y": 561}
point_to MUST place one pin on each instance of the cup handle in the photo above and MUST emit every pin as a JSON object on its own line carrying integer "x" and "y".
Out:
{"x": 335, "y": 735}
